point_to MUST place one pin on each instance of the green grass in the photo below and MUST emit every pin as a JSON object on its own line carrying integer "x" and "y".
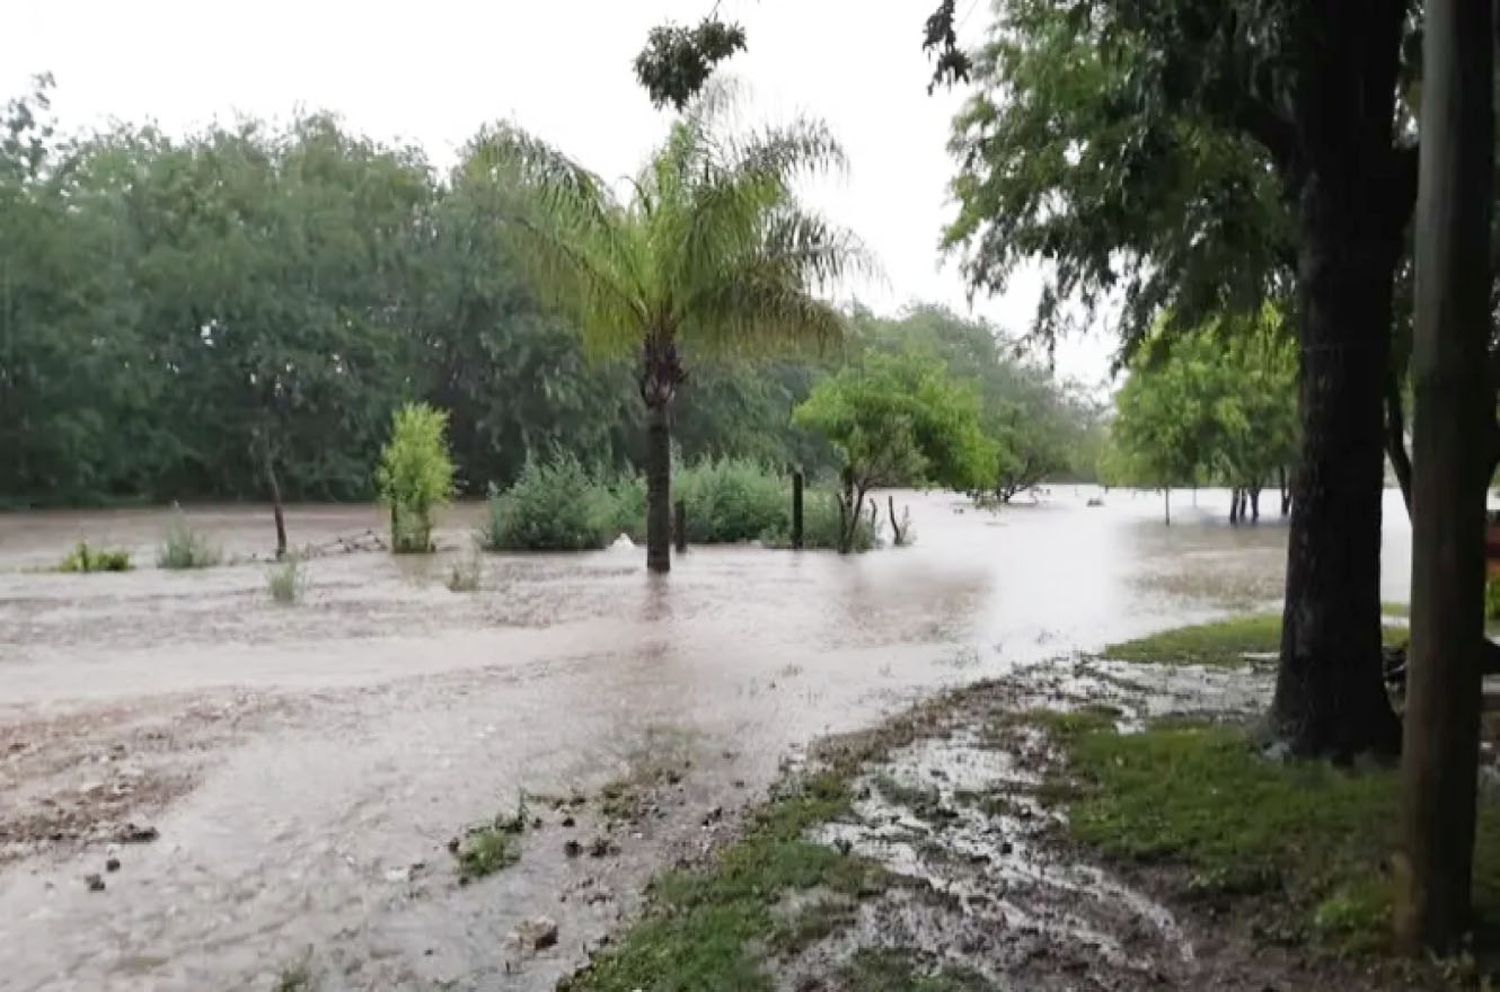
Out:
{"x": 1222, "y": 644}
{"x": 710, "y": 928}
{"x": 488, "y": 850}
{"x": 904, "y": 970}
{"x": 86, "y": 559}
{"x": 465, "y": 575}
{"x": 287, "y": 581}
{"x": 183, "y": 547}
{"x": 1308, "y": 843}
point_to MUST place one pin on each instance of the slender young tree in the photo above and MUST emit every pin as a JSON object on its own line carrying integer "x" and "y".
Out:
{"x": 711, "y": 253}
{"x": 1449, "y": 475}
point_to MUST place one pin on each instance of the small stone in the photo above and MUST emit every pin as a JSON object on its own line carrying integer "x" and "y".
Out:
{"x": 714, "y": 815}
{"x": 113, "y": 864}
{"x": 739, "y": 783}
{"x": 568, "y": 821}
{"x": 1006, "y": 847}
{"x": 133, "y": 834}
{"x": 95, "y": 882}
{"x": 537, "y": 934}
{"x": 572, "y": 849}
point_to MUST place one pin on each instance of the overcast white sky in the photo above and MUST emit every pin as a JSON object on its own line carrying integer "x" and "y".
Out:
{"x": 433, "y": 72}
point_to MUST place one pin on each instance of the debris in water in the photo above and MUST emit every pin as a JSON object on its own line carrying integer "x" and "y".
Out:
{"x": 95, "y": 882}
{"x": 113, "y": 864}
{"x": 132, "y": 834}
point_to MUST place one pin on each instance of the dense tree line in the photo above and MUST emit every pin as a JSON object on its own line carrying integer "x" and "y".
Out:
{"x": 197, "y": 317}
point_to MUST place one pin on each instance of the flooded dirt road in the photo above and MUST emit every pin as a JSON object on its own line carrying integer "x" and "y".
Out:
{"x": 304, "y": 767}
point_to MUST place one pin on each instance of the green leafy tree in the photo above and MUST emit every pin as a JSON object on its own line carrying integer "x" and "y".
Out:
{"x": 415, "y": 475}
{"x": 1200, "y": 158}
{"x": 711, "y": 252}
{"x": 897, "y": 420}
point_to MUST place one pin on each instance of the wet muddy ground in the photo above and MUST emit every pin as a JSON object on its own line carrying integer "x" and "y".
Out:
{"x": 303, "y": 768}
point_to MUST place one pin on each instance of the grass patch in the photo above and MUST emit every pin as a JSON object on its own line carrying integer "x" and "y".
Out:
{"x": 709, "y": 928}
{"x": 889, "y": 969}
{"x": 1222, "y": 644}
{"x": 464, "y": 576}
{"x": 184, "y": 547}
{"x": 295, "y": 978}
{"x": 486, "y": 851}
{"x": 86, "y": 559}
{"x": 287, "y": 581}
{"x": 1307, "y": 843}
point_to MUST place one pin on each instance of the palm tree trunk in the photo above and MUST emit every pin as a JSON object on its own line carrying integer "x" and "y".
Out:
{"x": 659, "y": 488}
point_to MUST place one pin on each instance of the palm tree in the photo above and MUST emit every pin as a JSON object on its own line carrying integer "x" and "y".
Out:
{"x": 711, "y": 254}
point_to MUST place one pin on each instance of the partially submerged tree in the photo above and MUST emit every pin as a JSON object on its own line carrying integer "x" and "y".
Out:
{"x": 711, "y": 251}
{"x": 1199, "y": 158}
{"x": 415, "y": 475}
{"x": 897, "y": 420}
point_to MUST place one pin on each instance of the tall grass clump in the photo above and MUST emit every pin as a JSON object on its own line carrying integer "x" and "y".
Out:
{"x": 184, "y": 547}
{"x": 415, "y": 475}
{"x": 86, "y": 559}
{"x": 557, "y": 505}
{"x": 729, "y": 500}
{"x": 820, "y": 524}
{"x": 287, "y": 581}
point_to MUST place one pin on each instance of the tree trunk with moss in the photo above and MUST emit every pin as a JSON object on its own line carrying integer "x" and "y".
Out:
{"x": 1440, "y": 762}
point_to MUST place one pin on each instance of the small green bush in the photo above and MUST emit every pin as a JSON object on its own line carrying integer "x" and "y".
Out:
{"x": 86, "y": 559}
{"x": 184, "y": 547}
{"x": 555, "y": 506}
{"x": 287, "y": 581}
{"x": 415, "y": 475}
{"x": 730, "y": 500}
{"x": 820, "y": 524}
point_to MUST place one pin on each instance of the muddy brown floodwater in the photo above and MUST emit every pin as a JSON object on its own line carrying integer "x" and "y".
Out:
{"x": 304, "y": 767}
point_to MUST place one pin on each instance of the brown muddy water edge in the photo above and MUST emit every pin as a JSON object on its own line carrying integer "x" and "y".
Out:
{"x": 973, "y": 883}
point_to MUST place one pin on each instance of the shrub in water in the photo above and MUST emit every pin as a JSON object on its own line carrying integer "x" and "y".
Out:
{"x": 86, "y": 559}
{"x": 730, "y": 500}
{"x": 464, "y": 575}
{"x": 553, "y": 506}
{"x": 820, "y": 524}
{"x": 415, "y": 475}
{"x": 183, "y": 547}
{"x": 287, "y": 580}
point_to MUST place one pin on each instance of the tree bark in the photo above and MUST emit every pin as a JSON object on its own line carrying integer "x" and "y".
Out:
{"x": 1234, "y": 506}
{"x": 1453, "y": 399}
{"x": 1286, "y": 494}
{"x": 1330, "y": 698}
{"x": 1166, "y": 497}
{"x": 659, "y": 488}
{"x": 1395, "y": 438}
{"x": 1255, "y": 504}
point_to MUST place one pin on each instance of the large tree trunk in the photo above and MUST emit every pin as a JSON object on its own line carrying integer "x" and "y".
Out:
{"x": 1330, "y": 698}
{"x": 659, "y": 488}
{"x": 1453, "y": 402}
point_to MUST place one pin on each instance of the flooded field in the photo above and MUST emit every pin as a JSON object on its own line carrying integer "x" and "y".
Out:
{"x": 304, "y": 767}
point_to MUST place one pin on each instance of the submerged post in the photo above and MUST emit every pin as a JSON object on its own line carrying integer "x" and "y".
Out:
{"x": 679, "y": 525}
{"x": 797, "y": 510}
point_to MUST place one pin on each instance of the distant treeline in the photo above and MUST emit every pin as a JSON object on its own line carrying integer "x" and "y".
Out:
{"x": 181, "y": 316}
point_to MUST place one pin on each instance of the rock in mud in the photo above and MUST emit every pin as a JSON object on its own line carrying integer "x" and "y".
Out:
{"x": 537, "y": 934}
{"x": 132, "y": 834}
{"x": 95, "y": 882}
{"x": 113, "y": 864}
